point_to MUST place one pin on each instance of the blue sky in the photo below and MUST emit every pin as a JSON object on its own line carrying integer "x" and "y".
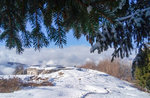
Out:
{"x": 73, "y": 41}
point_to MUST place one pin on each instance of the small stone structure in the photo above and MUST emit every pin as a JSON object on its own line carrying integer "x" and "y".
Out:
{"x": 34, "y": 71}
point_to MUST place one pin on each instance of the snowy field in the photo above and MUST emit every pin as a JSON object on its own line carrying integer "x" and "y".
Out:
{"x": 78, "y": 83}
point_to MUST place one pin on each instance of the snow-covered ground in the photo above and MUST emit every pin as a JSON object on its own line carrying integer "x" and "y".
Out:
{"x": 78, "y": 83}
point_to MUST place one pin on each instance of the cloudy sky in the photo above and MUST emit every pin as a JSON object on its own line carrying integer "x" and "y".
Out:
{"x": 69, "y": 56}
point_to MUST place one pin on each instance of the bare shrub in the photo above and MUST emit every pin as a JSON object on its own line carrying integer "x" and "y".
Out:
{"x": 115, "y": 68}
{"x": 109, "y": 67}
{"x": 125, "y": 72}
{"x": 10, "y": 85}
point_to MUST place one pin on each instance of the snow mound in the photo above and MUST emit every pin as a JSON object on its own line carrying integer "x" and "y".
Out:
{"x": 79, "y": 83}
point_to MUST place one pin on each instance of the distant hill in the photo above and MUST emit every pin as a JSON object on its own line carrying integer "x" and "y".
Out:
{"x": 9, "y": 67}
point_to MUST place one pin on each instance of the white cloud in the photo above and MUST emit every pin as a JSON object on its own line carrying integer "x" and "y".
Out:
{"x": 70, "y": 56}
{"x": 6, "y": 70}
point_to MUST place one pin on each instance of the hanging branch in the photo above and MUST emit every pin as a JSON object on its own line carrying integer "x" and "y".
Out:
{"x": 129, "y": 16}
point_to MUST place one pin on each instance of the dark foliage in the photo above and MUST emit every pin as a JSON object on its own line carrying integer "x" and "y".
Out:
{"x": 84, "y": 17}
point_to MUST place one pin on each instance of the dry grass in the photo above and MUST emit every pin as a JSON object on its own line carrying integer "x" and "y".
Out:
{"x": 115, "y": 68}
{"x": 60, "y": 73}
{"x": 45, "y": 83}
{"x": 89, "y": 65}
{"x": 10, "y": 85}
{"x": 14, "y": 84}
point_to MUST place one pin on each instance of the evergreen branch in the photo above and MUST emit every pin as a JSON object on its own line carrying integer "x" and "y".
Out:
{"x": 129, "y": 16}
{"x": 81, "y": 3}
{"x": 106, "y": 17}
{"x": 101, "y": 2}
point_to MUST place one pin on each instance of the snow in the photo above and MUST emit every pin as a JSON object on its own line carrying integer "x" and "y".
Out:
{"x": 78, "y": 83}
{"x": 133, "y": 14}
{"x": 138, "y": 21}
{"x": 89, "y": 9}
{"x": 95, "y": 46}
{"x": 122, "y": 3}
{"x": 135, "y": 18}
{"x": 147, "y": 13}
{"x": 113, "y": 30}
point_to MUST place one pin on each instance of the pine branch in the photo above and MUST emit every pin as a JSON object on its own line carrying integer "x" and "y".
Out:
{"x": 106, "y": 17}
{"x": 129, "y": 16}
{"x": 81, "y": 3}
